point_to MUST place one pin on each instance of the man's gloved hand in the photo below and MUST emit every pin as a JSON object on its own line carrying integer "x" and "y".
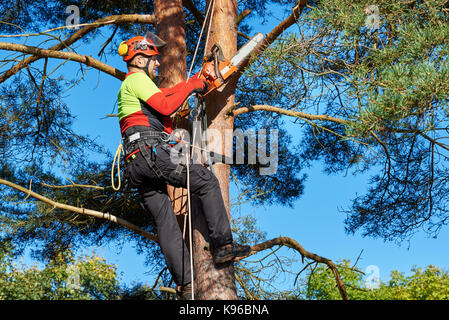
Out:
{"x": 198, "y": 85}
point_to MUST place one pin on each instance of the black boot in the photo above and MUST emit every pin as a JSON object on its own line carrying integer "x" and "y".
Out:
{"x": 185, "y": 293}
{"x": 229, "y": 252}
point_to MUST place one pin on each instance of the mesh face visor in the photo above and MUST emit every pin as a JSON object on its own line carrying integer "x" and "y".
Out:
{"x": 153, "y": 39}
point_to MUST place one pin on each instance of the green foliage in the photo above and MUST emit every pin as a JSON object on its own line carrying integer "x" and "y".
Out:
{"x": 282, "y": 187}
{"x": 398, "y": 71}
{"x": 64, "y": 278}
{"x": 245, "y": 230}
{"x": 142, "y": 291}
{"x": 428, "y": 284}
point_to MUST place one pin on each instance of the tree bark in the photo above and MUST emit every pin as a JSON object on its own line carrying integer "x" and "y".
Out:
{"x": 170, "y": 28}
{"x": 172, "y": 70}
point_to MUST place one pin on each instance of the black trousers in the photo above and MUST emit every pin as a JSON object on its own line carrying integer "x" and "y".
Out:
{"x": 155, "y": 199}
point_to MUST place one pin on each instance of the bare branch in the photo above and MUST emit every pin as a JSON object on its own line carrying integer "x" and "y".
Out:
{"x": 242, "y": 284}
{"x": 116, "y": 19}
{"x": 194, "y": 10}
{"x": 108, "y": 41}
{"x": 291, "y": 113}
{"x": 73, "y": 185}
{"x": 88, "y": 212}
{"x": 242, "y": 15}
{"x": 46, "y": 53}
{"x": 442, "y": 145}
{"x": 168, "y": 290}
{"x": 231, "y": 111}
{"x": 288, "y": 242}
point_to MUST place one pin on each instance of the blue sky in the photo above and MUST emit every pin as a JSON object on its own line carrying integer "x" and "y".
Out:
{"x": 315, "y": 220}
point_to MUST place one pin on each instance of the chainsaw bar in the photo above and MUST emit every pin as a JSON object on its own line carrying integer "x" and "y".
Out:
{"x": 224, "y": 68}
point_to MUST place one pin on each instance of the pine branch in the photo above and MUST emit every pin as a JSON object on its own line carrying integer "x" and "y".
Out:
{"x": 279, "y": 110}
{"x": 323, "y": 117}
{"x": 93, "y": 213}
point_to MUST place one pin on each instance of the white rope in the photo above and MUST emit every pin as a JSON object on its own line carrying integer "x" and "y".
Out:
{"x": 189, "y": 213}
{"x": 208, "y": 29}
{"x": 211, "y": 5}
{"x": 190, "y": 225}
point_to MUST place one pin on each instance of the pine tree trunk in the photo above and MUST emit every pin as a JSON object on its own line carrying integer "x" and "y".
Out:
{"x": 172, "y": 70}
{"x": 211, "y": 283}
{"x": 170, "y": 28}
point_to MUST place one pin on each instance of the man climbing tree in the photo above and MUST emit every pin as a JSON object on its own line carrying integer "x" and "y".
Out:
{"x": 152, "y": 163}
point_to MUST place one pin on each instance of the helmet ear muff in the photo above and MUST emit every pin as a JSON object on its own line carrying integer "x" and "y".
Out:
{"x": 123, "y": 49}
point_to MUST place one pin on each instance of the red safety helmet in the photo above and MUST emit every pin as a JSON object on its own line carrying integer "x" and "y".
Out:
{"x": 147, "y": 45}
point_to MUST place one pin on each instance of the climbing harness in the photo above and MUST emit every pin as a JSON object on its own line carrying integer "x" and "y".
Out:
{"x": 141, "y": 142}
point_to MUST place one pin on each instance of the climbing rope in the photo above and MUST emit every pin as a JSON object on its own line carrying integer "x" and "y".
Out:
{"x": 190, "y": 224}
{"x": 208, "y": 16}
{"x": 211, "y": 5}
{"x": 117, "y": 156}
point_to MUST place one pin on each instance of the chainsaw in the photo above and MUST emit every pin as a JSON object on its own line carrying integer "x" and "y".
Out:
{"x": 216, "y": 69}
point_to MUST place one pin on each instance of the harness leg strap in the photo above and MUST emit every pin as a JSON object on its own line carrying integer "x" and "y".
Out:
{"x": 143, "y": 149}
{"x": 175, "y": 178}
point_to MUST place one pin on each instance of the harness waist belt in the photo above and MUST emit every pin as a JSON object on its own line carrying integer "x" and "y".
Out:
{"x": 161, "y": 135}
